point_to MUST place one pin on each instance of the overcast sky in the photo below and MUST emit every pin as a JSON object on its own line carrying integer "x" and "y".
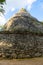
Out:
{"x": 34, "y": 7}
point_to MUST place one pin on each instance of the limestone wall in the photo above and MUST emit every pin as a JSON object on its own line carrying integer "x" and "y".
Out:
{"x": 20, "y": 45}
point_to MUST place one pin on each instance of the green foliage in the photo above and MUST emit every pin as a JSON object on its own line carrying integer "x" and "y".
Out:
{"x": 1, "y": 5}
{"x": 2, "y": 1}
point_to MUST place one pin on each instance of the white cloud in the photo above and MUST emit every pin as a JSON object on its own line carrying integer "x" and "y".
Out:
{"x": 12, "y": 9}
{"x": 30, "y": 2}
{"x": 2, "y": 19}
{"x": 12, "y": 5}
{"x": 17, "y": 4}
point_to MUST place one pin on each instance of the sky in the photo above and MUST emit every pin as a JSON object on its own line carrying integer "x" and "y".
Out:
{"x": 34, "y": 7}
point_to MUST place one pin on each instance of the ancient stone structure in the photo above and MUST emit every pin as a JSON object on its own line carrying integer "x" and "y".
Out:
{"x": 21, "y": 37}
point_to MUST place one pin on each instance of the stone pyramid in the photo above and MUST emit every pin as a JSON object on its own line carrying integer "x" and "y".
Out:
{"x": 22, "y": 21}
{"x": 13, "y": 44}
